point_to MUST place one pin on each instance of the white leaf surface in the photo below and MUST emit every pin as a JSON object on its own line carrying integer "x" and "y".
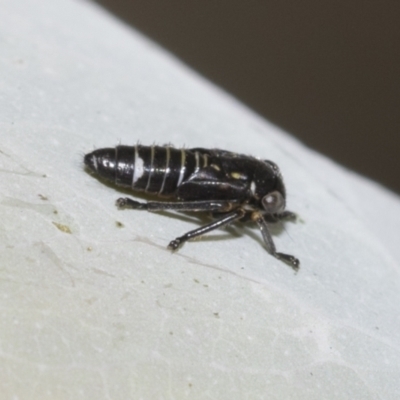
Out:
{"x": 94, "y": 306}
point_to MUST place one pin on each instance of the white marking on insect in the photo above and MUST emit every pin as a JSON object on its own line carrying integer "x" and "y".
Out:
{"x": 253, "y": 187}
{"x": 94, "y": 162}
{"x": 183, "y": 167}
{"x": 151, "y": 169}
{"x": 196, "y": 156}
{"x": 167, "y": 168}
{"x": 138, "y": 169}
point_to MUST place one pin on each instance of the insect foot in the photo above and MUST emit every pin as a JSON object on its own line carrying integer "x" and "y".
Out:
{"x": 174, "y": 244}
{"x": 125, "y": 202}
{"x": 289, "y": 260}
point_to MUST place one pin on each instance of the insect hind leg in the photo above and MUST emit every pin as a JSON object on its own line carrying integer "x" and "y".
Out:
{"x": 225, "y": 220}
{"x": 196, "y": 206}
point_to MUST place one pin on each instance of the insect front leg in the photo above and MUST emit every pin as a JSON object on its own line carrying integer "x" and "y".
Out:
{"x": 225, "y": 220}
{"x": 283, "y": 216}
{"x": 262, "y": 224}
{"x": 196, "y": 206}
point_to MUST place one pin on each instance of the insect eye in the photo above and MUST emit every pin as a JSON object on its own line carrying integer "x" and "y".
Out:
{"x": 273, "y": 203}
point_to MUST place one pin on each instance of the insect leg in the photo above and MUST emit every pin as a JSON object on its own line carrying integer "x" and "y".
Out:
{"x": 283, "y": 216}
{"x": 262, "y": 224}
{"x": 207, "y": 205}
{"x": 225, "y": 220}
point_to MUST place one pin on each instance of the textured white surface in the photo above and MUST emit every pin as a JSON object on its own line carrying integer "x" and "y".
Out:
{"x": 93, "y": 310}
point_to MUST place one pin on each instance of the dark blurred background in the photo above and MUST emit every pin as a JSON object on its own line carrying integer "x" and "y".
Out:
{"x": 327, "y": 72}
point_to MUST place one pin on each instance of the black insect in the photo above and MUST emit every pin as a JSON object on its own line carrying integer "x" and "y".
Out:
{"x": 233, "y": 187}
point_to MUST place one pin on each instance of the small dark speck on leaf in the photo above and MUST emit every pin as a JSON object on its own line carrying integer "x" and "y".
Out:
{"x": 44, "y": 198}
{"x": 119, "y": 224}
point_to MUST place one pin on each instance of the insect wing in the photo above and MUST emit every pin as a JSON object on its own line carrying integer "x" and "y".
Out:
{"x": 215, "y": 152}
{"x": 211, "y": 184}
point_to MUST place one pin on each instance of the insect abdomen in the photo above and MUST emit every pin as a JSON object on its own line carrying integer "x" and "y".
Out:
{"x": 153, "y": 169}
